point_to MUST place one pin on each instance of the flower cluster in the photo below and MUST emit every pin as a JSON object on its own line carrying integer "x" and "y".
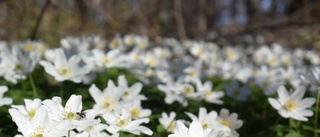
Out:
{"x": 50, "y": 118}
{"x": 181, "y": 71}
{"x": 208, "y": 124}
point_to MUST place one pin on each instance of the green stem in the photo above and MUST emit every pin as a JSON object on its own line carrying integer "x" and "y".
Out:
{"x": 69, "y": 132}
{"x": 316, "y": 115}
{"x": 291, "y": 123}
{"x": 35, "y": 94}
{"x": 61, "y": 90}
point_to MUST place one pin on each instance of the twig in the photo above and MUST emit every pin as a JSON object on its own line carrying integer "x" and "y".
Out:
{"x": 145, "y": 19}
{"x": 35, "y": 28}
{"x": 179, "y": 19}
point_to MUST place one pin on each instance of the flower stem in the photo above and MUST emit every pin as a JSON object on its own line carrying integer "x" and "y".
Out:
{"x": 61, "y": 90}
{"x": 316, "y": 115}
{"x": 35, "y": 94}
{"x": 69, "y": 133}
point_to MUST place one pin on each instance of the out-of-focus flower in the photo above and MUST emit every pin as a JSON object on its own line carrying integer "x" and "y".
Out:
{"x": 39, "y": 126}
{"x": 238, "y": 92}
{"x": 112, "y": 58}
{"x": 63, "y": 69}
{"x": 229, "y": 123}
{"x": 70, "y": 113}
{"x": 195, "y": 130}
{"x": 4, "y": 100}
{"x": 168, "y": 121}
{"x": 207, "y": 120}
{"x": 292, "y": 105}
{"x": 29, "y": 108}
{"x": 209, "y": 95}
{"x": 132, "y": 92}
{"x": 122, "y": 121}
{"x": 108, "y": 99}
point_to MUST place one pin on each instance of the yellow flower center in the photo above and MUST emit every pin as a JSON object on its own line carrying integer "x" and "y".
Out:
{"x": 39, "y": 132}
{"x": 108, "y": 104}
{"x": 89, "y": 128}
{"x": 18, "y": 67}
{"x": 115, "y": 43}
{"x": 106, "y": 60}
{"x": 151, "y": 62}
{"x": 71, "y": 116}
{"x": 126, "y": 93}
{"x": 123, "y": 122}
{"x": 199, "y": 53}
{"x": 273, "y": 61}
{"x": 41, "y": 48}
{"x": 135, "y": 113}
{"x": 32, "y": 112}
{"x": 188, "y": 90}
{"x": 172, "y": 126}
{"x": 291, "y": 105}
{"x": 38, "y": 135}
{"x": 205, "y": 125}
{"x": 225, "y": 123}
{"x": 231, "y": 54}
{"x": 64, "y": 71}
{"x": 236, "y": 92}
{"x": 28, "y": 47}
{"x": 208, "y": 94}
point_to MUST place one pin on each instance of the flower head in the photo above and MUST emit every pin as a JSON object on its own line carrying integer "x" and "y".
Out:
{"x": 292, "y": 105}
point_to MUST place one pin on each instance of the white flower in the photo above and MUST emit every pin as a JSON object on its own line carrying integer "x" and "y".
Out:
{"x": 167, "y": 121}
{"x": 16, "y": 64}
{"x": 69, "y": 113}
{"x": 312, "y": 76}
{"x": 209, "y": 95}
{"x": 292, "y": 105}
{"x": 137, "y": 111}
{"x": 63, "y": 69}
{"x": 195, "y": 130}
{"x": 30, "y": 107}
{"x": 193, "y": 72}
{"x": 112, "y": 58}
{"x": 122, "y": 121}
{"x": 4, "y": 100}
{"x": 39, "y": 125}
{"x": 130, "y": 93}
{"x": 116, "y": 43}
{"x": 107, "y": 100}
{"x": 232, "y": 53}
{"x": 228, "y": 123}
{"x": 238, "y": 92}
{"x": 207, "y": 120}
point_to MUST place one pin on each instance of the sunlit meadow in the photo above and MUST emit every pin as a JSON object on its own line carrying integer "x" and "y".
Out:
{"x": 132, "y": 86}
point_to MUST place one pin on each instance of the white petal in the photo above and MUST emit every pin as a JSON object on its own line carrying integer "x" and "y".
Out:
{"x": 298, "y": 94}
{"x": 283, "y": 94}
{"x": 122, "y": 81}
{"x": 224, "y": 113}
{"x": 274, "y": 103}
{"x": 195, "y": 129}
{"x": 298, "y": 116}
{"x": 74, "y": 103}
{"x": 95, "y": 93}
{"x": 5, "y": 101}
{"x": 192, "y": 117}
{"x": 307, "y": 102}
{"x": 181, "y": 129}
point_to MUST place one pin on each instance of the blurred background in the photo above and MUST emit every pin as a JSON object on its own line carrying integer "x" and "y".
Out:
{"x": 289, "y": 22}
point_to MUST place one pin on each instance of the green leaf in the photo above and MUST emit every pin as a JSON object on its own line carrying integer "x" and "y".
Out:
{"x": 306, "y": 127}
{"x": 293, "y": 134}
